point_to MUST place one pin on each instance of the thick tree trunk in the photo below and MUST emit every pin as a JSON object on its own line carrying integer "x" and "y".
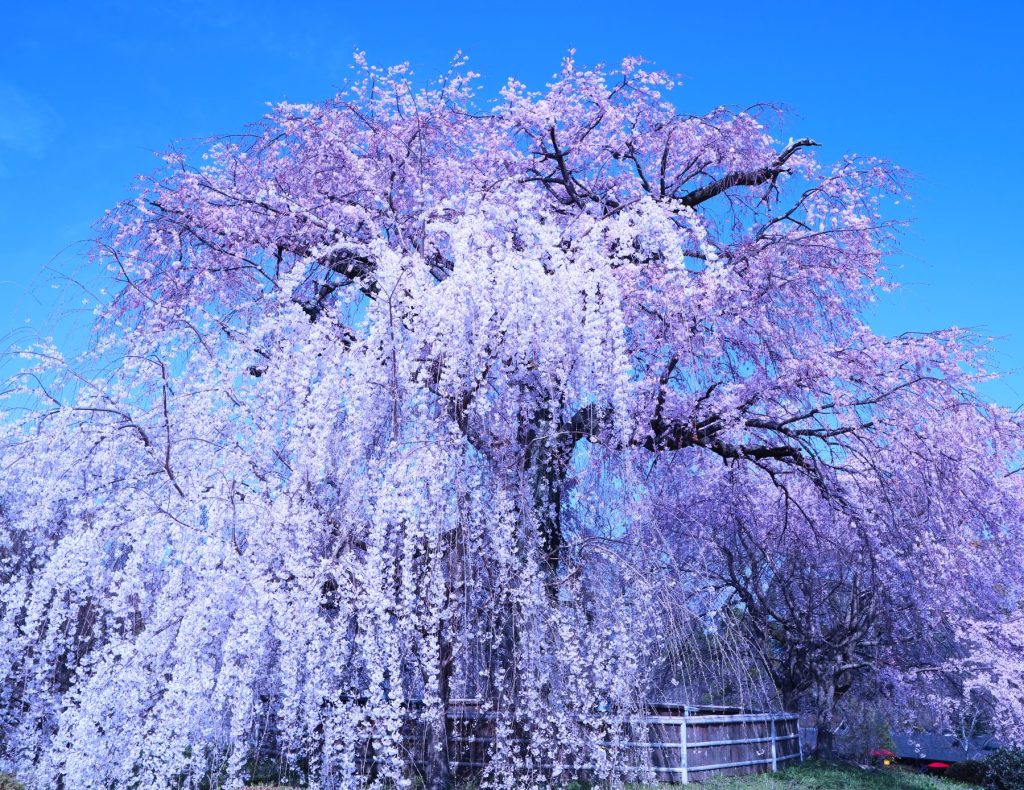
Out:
{"x": 437, "y": 769}
{"x": 548, "y": 452}
{"x": 437, "y": 765}
{"x": 824, "y": 748}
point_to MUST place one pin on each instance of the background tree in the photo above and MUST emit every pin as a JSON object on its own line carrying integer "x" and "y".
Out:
{"x": 383, "y": 408}
{"x": 862, "y": 588}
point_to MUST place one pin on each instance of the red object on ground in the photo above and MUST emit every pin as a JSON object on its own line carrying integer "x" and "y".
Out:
{"x": 936, "y": 766}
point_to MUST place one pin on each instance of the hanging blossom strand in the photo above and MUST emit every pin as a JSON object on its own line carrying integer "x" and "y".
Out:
{"x": 560, "y": 406}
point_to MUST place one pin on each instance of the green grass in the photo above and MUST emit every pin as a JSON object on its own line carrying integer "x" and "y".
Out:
{"x": 831, "y": 776}
{"x": 8, "y": 782}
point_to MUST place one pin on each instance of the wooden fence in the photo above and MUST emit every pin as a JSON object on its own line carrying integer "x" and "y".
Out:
{"x": 691, "y": 746}
{"x": 678, "y": 744}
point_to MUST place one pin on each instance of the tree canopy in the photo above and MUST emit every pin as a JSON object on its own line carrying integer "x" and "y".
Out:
{"x": 406, "y": 397}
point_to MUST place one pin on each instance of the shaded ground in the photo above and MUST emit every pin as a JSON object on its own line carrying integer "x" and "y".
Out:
{"x": 825, "y": 776}
{"x": 809, "y": 776}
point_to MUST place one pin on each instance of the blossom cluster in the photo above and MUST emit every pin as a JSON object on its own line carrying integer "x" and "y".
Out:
{"x": 556, "y": 405}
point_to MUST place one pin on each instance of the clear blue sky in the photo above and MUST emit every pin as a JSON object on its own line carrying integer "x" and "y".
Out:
{"x": 88, "y": 91}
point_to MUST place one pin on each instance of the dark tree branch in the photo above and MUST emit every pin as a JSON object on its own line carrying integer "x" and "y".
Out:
{"x": 747, "y": 178}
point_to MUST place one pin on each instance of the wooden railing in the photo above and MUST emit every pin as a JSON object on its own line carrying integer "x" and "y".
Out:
{"x": 692, "y": 746}
{"x": 672, "y": 743}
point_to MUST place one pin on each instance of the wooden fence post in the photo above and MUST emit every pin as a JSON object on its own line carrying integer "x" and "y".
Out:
{"x": 775, "y": 762}
{"x": 683, "y": 756}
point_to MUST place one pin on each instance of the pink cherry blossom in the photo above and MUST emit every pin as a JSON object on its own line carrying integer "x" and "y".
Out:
{"x": 557, "y": 403}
